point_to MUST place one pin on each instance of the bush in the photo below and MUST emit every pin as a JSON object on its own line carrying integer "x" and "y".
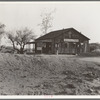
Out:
{"x": 90, "y": 54}
{"x": 5, "y": 49}
{"x": 96, "y": 50}
{"x": 94, "y": 46}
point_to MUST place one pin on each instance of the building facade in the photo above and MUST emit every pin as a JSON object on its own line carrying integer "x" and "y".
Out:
{"x": 65, "y": 41}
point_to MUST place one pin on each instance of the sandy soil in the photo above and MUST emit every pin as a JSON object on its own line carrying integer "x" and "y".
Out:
{"x": 91, "y": 59}
{"x": 48, "y": 75}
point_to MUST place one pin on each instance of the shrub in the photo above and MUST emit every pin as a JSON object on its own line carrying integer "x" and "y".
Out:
{"x": 90, "y": 54}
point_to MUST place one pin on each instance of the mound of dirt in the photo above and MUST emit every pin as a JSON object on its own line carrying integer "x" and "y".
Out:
{"x": 47, "y": 75}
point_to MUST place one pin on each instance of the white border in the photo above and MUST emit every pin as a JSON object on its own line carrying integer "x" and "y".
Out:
{"x": 61, "y": 2}
{"x": 49, "y": 96}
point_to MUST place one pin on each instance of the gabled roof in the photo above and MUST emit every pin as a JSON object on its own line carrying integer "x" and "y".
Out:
{"x": 54, "y": 34}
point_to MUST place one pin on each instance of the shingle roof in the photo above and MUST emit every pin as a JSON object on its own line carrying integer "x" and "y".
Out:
{"x": 54, "y": 34}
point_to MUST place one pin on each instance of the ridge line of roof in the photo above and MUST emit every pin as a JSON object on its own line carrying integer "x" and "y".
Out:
{"x": 55, "y": 31}
{"x": 62, "y": 30}
{"x": 82, "y": 34}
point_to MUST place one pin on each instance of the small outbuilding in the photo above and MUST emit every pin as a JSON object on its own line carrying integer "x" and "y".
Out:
{"x": 65, "y": 41}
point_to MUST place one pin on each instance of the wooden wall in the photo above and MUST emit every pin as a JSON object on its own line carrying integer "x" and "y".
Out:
{"x": 76, "y": 44}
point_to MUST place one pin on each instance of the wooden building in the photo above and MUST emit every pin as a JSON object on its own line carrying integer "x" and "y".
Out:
{"x": 65, "y": 41}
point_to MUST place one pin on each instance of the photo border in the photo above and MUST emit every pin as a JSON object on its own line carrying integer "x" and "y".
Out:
{"x": 49, "y": 97}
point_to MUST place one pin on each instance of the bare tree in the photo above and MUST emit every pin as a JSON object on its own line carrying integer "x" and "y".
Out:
{"x": 2, "y": 26}
{"x": 46, "y": 22}
{"x": 20, "y": 38}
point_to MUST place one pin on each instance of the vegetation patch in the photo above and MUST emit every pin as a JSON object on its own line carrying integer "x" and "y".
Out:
{"x": 52, "y": 75}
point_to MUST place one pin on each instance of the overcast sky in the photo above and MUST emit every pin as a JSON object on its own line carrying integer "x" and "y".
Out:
{"x": 83, "y": 16}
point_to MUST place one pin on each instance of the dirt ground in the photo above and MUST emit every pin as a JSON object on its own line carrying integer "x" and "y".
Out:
{"x": 49, "y": 75}
{"x": 91, "y": 59}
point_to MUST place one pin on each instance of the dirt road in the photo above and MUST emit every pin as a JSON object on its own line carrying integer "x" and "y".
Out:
{"x": 92, "y": 59}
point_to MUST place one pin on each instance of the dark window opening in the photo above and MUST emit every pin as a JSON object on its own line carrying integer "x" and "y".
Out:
{"x": 73, "y": 45}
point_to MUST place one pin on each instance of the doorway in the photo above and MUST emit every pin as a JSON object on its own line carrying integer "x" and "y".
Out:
{"x": 46, "y": 49}
{"x": 72, "y": 48}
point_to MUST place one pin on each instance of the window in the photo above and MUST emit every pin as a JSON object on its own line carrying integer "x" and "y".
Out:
{"x": 44, "y": 45}
{"x": 39, "y": 44}
{"x": 56, "y": 45}
{"x": 81, "y": 43}
{"x": 70, "y": 34}
{"x": 73, "y": 45}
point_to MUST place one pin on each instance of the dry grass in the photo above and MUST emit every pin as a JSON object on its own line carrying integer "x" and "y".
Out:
{"x": 90, "y": 54}
{"x": 42, "y": 75}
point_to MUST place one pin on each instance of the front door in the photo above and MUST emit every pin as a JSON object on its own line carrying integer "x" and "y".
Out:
{"x": 47, "y": 48}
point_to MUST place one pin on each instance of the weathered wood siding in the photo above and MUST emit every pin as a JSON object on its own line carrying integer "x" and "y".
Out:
{"x": 74, "y": 44}
{"x": 63, "y": 42}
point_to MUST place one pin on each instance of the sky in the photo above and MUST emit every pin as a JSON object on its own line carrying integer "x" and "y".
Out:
{"x": 84, "y": 16}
